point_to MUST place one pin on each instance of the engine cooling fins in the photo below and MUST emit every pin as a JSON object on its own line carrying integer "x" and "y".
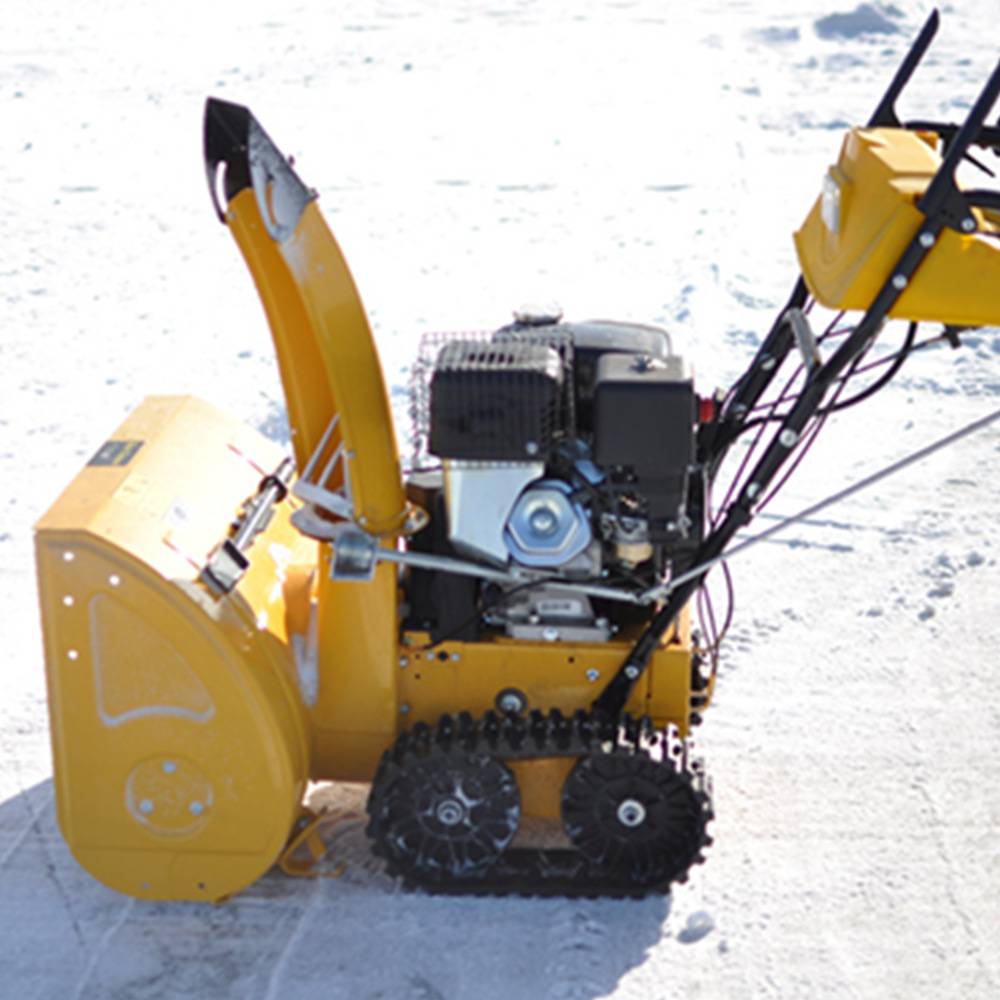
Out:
{"x": 444, "y": 807}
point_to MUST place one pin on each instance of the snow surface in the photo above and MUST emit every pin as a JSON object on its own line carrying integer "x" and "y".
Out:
{"x": 637, "y": 160}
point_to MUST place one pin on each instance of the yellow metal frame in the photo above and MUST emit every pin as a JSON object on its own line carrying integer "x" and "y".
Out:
{"x": 470, "y": 675}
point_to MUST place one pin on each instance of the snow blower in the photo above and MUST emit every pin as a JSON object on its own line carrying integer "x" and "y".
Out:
{"x": 498, "y": 639}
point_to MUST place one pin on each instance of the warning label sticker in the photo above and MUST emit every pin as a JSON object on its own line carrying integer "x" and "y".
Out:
{"x": 116, "y": 453}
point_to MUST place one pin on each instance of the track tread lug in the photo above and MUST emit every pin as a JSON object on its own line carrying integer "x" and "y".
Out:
{"x": 535, "y": 873}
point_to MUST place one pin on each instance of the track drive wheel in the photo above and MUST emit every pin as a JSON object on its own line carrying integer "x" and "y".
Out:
{"x": 641, "y": 817}
{"x": 442, "y": 816}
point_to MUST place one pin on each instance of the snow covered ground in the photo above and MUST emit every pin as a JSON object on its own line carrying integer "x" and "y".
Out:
{"x": 640, "y": 160}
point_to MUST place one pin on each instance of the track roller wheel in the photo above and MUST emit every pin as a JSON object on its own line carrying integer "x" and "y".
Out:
{"x": 443, "y": 816}
{"x": 641, "y": 817}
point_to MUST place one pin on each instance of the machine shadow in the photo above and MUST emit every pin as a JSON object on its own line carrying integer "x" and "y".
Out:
{"x": 460, "y": 946}
{"x": 358, "y": 935}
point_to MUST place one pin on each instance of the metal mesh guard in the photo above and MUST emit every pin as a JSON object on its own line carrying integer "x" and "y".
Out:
{"x": 522, "y": 359}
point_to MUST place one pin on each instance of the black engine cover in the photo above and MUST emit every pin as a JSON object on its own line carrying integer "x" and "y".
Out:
{"x": 644, "y": 418}
{"x": 495, "y": 401}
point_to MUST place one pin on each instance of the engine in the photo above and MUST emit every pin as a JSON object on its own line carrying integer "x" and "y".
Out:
{"x": 567, "y": 449}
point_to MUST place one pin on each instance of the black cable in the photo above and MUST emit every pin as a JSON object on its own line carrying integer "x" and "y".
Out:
{"x": 896, "y": 360}
{"x": 832, "y": 330}
{"x": 715, "y": 634}
{"x": 812, "y": 431}
{"x": 883, "y": 380}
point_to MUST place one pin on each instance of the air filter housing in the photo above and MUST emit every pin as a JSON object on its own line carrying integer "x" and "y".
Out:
{"x": 495, "y": 401}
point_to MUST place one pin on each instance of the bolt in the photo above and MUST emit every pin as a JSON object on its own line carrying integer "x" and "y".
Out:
{"x": 899, "y": 281}
{"x": 404, "y": 708}
{"x": 752, "y": 490}
{"x": 968, "y": 225}
{"x": 631, "y": 671}
{"x": 531, "y": 447}
{"x": 196, "y": 808}
{"x": 450, "y": 812}
{"x": 68, "y": 556}
{"x": 68, "y": 601}
{"x": 169, "y": 766}
{"x": 631, "y": 813}
{"x": 926, "y": 240}
{"x": 511, "y": 701}
{"x": 768, "y": 363}
{"x": 788, "y": 437}
{"x": 543, "y": 521}
{"x": 114, "y": 579}
{"x": 593, "y": 675}
{"x": 72, "y": 654}
{"x": 404, "y": 661}
{"x": 455, "y": 657}
{"x": 550, "y": 633}
{"x": 145, "y": 807}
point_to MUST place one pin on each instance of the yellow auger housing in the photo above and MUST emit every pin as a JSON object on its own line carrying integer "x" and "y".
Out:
{"x": 181, "y": 746}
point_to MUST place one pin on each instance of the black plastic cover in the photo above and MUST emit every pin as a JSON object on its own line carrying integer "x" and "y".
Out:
{"x": 644, "y": 419}
{"x": 495, "y": 401}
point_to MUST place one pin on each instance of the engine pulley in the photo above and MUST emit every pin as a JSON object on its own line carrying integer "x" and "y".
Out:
{"x": 547, "y": 527}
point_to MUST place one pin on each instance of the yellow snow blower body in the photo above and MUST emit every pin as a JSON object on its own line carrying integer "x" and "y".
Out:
{"x": 199, "y": 677}
{"x": 501, "y": 635}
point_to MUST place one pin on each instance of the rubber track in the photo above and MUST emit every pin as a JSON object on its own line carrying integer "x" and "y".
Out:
{"x": 536, "y": 872}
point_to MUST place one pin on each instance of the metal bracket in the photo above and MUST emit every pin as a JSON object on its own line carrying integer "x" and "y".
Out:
{"x": 308, "y": 851}
{"x": 805, "y": 339}
{"x": 228, "y": 560}
{"x": 317, "y": 489}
